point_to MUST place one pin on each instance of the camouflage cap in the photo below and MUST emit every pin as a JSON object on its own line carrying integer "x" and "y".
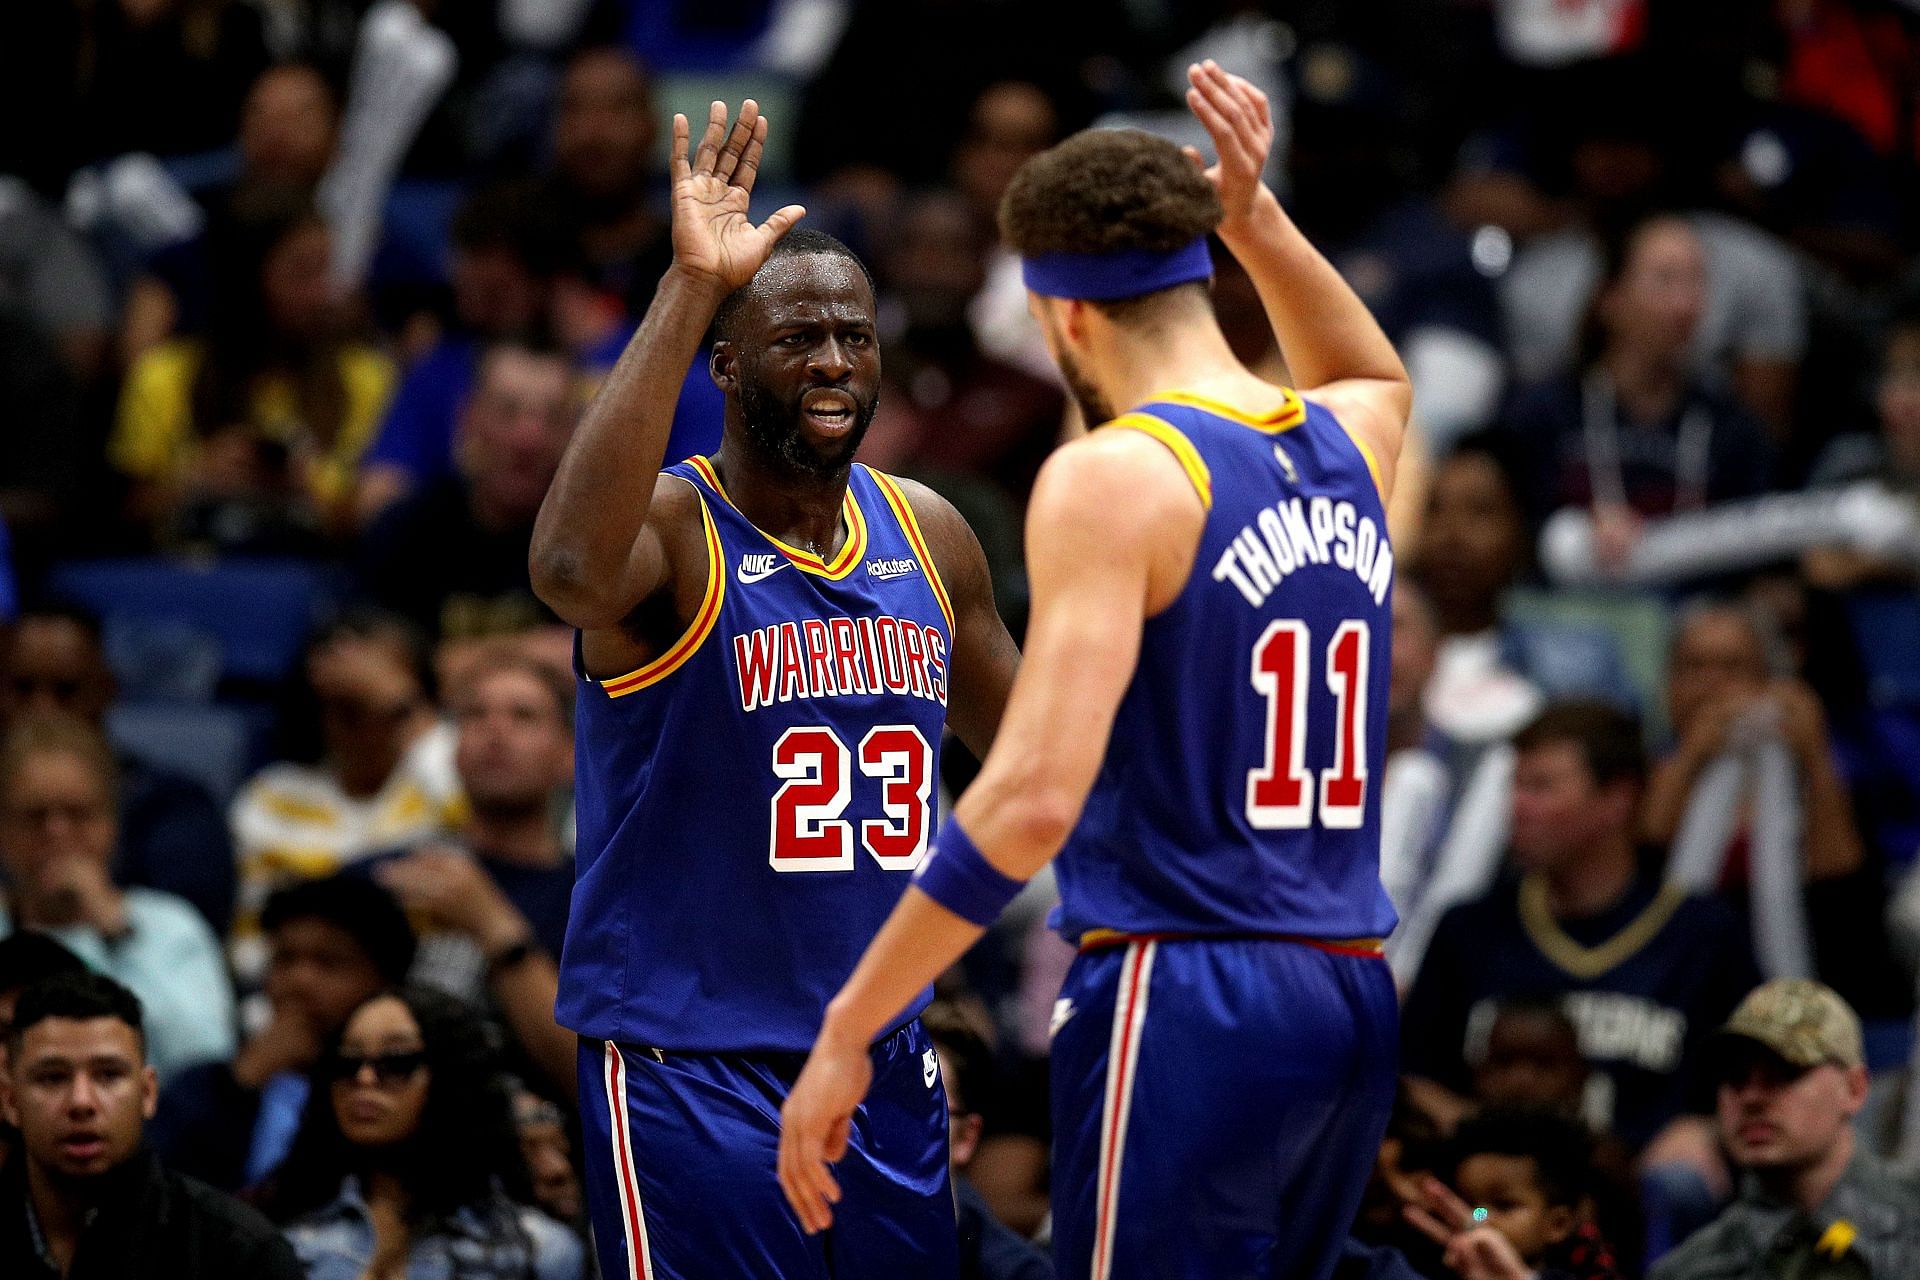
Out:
{"x": 1805, "y": 1022}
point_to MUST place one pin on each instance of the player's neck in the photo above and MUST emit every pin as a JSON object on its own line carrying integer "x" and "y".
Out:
{"x": 1587, "y": 884}
{"x": 1136, "y": 366}
{"x": 796, "y": 507}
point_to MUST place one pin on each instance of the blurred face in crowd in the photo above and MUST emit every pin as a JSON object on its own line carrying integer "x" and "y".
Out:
{"x": 1474, "y": 537}
{"x": 80, "y": 1093}
{"x": 1416, "y": 647}
{"x": 1533, "y": 1059}
{"x": 288, "y": 126}
{"x": 1508, "y": 1188}
{"x": 936, "y": 265}
{"x": 1899, "y": 400}
{"x": 1011, "y": 122}
{"x": 371, "y": 704}
{"x": 1716, "y": 655}
{"x": 295, "y": 285}
{"x": 1656, "y": 304}
{"x": 515, "y": 745}
{"x": 514, "y": 430}
{"x": 54, "y": 808}
{"x": 1777, "y": 1118}
{"x": 55, "y": 666}
{"x": 495, "y": 291}
{"x": 1559, "y": 811}
{"x": 549, "y": 1156}
{"x": 319, "y": 968}
{"x": 380, "y": 1075}
{"x": 603, "y": 129}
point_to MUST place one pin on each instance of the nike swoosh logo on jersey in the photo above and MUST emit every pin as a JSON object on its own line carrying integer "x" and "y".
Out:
{"x": 755, "y": 566}
{"x": 929, "y": 1068}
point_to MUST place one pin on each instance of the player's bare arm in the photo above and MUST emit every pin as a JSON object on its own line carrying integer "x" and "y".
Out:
{"x": 1333, "y": 346}
{"x": 984, "y": 655}
{"x": 1095, "y": 581}
{"x": 605, "y": 541}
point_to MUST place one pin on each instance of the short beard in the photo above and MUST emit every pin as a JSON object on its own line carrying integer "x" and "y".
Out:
{"x": 773, "y": 432}
{"x": 1094, "y": 407}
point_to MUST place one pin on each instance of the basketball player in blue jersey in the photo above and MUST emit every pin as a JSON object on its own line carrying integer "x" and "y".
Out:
{"x": 771, "y": 641}
{"x": 1196, "y": 732}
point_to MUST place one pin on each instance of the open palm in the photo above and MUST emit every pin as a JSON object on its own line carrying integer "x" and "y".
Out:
{"x": 1237, "y": 117}
{"x": 712, "y": 234}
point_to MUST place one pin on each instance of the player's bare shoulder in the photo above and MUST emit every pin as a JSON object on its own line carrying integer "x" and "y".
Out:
{"x": 677, "y": 522}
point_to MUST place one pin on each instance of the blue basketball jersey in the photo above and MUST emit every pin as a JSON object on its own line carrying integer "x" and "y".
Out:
{"x": 752, "y": 803}
{"x": 1240, "y": 788}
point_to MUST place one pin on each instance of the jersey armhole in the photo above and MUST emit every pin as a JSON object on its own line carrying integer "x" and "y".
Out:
{"x": 1176, "y": 442}
{"x": 1365, "y": 450}
{"x": 703, "y": 622}
{"x": 910, "y": 527}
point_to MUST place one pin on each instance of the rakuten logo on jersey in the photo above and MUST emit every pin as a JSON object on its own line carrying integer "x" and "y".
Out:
{"x": 884, "y": 569}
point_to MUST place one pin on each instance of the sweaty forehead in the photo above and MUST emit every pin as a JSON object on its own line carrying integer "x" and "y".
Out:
{"x": 811, "y": 286}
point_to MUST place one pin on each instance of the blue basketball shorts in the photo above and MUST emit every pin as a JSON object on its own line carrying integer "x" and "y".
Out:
{"x": 1218, "y": 1106}
{"x": 681, "y": 1171}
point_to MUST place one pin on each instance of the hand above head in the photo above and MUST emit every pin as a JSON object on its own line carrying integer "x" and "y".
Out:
{"x": 1238, "y": 119}
{"x": 712, "y": 235}
{"x": 814, "y": 1125}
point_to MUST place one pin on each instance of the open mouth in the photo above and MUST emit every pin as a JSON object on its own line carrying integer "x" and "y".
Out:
{"x": 831, "y": 413}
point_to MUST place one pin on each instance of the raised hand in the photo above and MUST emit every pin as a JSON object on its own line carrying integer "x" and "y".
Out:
{"x": 1238, "y": 119}
{"x": 712, "y": 235}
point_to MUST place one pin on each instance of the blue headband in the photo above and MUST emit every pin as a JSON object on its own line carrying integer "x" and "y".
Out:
{"x": 1105, "y": 277}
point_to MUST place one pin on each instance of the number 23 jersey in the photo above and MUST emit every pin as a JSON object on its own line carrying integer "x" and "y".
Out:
{"x": 1240, "y": 789}
{"x": 752, "y": 803}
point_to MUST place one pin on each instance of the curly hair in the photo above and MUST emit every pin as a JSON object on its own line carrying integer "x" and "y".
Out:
{"x": 1107, "y": 191}
{"x": 466, "y": 1152}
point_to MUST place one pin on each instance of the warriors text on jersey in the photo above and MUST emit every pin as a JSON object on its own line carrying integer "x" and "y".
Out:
{"x": 752, "y": 803}
{"x": 1238, "y": 794}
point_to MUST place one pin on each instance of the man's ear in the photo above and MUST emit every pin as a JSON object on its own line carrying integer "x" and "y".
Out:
{"x": 721, "y": 366}
{"x": 1560, "y": 1221}
{"x": 149, "y": 1092}
{"x": 8, "y": 1111}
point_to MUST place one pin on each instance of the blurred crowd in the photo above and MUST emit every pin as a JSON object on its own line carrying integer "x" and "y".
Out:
{"x": 299, "y": 303}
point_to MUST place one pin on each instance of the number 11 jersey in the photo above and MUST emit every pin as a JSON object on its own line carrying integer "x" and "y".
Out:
{"x": 1240, "y": 790}
{"x": 752, "y": 803}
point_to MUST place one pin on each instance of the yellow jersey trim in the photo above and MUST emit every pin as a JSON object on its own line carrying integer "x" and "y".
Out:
{"x": 1291, "y": 413}
{"x": 1177, "y": 443}
{"x": 910, "y": 525}
{"x": 696, "y": 635}
{"x": 1373, "y": 465}
{"x": 841, "y": 565}
{"x": 1581, "y": 961}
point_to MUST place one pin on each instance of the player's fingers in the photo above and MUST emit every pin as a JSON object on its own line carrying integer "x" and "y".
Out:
{"x": 677, "y": 155}
{"x": 739, "y": 138}
{"x": 836, "y": 1145}
{"x": 703, "y": 159}
{"x": 1225, "y": 139}
{"x": 1234, "y": 97}
{"x": 1193, "y": 154}
{"x": 781, "y": 221}
{"x": 748, "y": 169}
{"x": 790, "y": 1184}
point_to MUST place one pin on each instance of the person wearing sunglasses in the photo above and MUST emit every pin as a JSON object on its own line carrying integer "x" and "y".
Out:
{"x": 408, "y": 1162}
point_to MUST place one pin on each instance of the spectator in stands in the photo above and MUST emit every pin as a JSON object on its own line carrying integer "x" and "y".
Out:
{"x": 26, "y": 958}
{"x": 548, "y": 1149}
{"x": 1008, "y": 122}
{"x": 408, "y": 1160}
{"x": 332, "y": 945}
{"x": 1492, "y": 673}
{"x": 88, "y": 1198}
{"x": 50, "y": 279}
{"x": 946, "y": 407}
{"x": 1644, "y": 970}
{"x": 503, "y": 261}
{"x": 1791, "y": 1079}
{"x": 1413, "y": 1148}
{"x": 1633, "y": 433}
{"x": 251, "y": 435}
{"x": 603, "y": 157}
{"x": 988, "y": 1249}
{"x": 379, "y": 775}
{"x": 1891, "y": 457}
{"x": 1529, "y": 1172}
{"x": 173, "y": 836}
{"x": 57, "y": 836}
{"x": 1532, "y": 1058}
{"x": 1750, "y": 791}
{"x": 453, "y": 557}
{"x": 289, "y": 130}
{"x": 494, "y": 910}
